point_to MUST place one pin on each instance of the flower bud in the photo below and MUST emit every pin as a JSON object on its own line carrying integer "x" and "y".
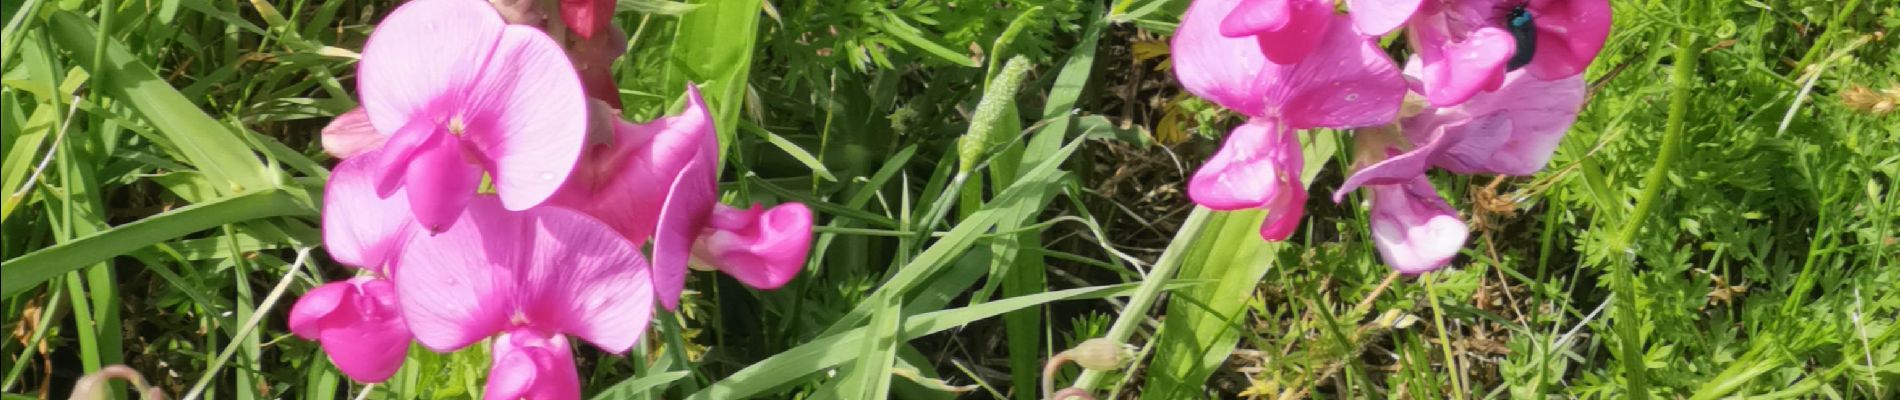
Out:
{"x": 1101, "y": 354}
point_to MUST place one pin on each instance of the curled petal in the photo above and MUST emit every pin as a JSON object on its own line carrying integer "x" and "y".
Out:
{"x": 534, "y": 366}
{"x": 1569, "y": 35}
{"x": 1283, "y": 214}
{"x": 1213, "y": 66}
{"x": 359, "y": 228}
{"x": 1414, "y": 229}
{"x": 1258, "y": 160}
{"x": 351, "y": 134}
{"x": 1379, "y": 17}
{"x": 359, "y": 325}
{"x": 689, "y": 202}
{"x": 1347, "y": 83}
{"x": 761, "y": 248}
{"x": 1456, "y": 69}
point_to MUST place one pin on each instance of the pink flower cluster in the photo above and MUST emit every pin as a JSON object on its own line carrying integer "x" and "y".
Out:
{"x": 485, "y": 195}
{"x": 1491, "y": 87}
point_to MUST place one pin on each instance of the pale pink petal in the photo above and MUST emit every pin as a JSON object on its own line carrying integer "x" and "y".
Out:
{"x": 1349, "y": 82}
{"x": 424, "y": 52}
{"x": 585, "y": 17}
{"x": 1243, "y": 173}
{"x": 1379, "y": 17}
{"x": 440, "y": 182}
{"x": 1414, "y": 229}
{"x": 531, "y": 365}
{"x": 1215, "y": 67}
{"x": 458, "y": 287}
{"x": 351, "y": 134}
{"x": 761, "y": 248}
{"x": 527, "y": 117}
{"x": 1301, "y": 34}
{"x": 1458, "y": 65}
{"x": 689, "y": 202}
{"x": 1251, "y": 17}
{"x": 581, "y": 279}
{"x": 360, "y": 229}
{"x": 358, "y": 324}
{"x": 1569, "y": 35}
{"x": 1513, "y": 131}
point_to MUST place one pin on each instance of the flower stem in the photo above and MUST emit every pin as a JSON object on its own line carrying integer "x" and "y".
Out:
{"x": 1624, "y": 278}
{"x": 1150, "y": 289}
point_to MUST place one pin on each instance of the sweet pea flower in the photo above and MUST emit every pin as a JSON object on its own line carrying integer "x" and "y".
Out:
{"x": 357, "y": 321}
{"x": 1468, "y": 45}
{"x": 1513, "y": 131}
{"x": 460, "y": 94}
{"x": 1413, "y": 228}
{"x": 658, "y": 181}
{"x": 1347, "y": 81}
{"x": 528, "y": 279}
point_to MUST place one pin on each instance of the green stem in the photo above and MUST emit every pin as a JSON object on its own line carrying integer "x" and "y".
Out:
{"x": 1150, "y": 289}
{"x": 1624, "y": 278}
{"x": 676, "y": 349}
{"x": 1444, "y": 340}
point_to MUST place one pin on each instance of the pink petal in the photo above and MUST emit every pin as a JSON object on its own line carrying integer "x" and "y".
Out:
{"x": 425, "y": 51}
{"x": 351, "y": 134}
{"x": 358, "y": 324}
{"x": 1242, "y": 174}
{"x": 359, "y": 228}
{"x": 1283, "y": 214}
{"x": 1459, "y": 64}
{"x": 761, "y": 248}
{"x": 689, "y": 202}
{"x": 1569, "y": 35}
{"x": 440, "y": 182}
{"x": 392, "y": 163}
{"x": 1513, "y": 131}
{"x": 533, "y": 366}
{"x": 527, "y": 117}
{"x": 1414, "y": 229}
{"x": 457, "y": 287}
{"x": 1379, "y": 17}
{"x": 1301, "y": 35}
{"x": 1215, "y": 67}
{"x": 1385, "y": 156}
{"x": 1252, "y": 17}
{"x": 582, "y": 279}
{"x": 1349, "y": 82}
{"x": 585, "y": 17}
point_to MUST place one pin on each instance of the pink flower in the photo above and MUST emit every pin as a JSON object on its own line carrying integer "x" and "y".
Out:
{"x": 1285, "y": 30}
{"x": 658, "y": 181}
{"x": 1347, "y": 81}
{"x": 358, "y": 324}
{"x": 1513, "y": 131}
{"x": 526, "y": 278}
{"x": 1414, "y": 229}
{"x": 1468, "y": 45}
{"x": 459, "y": 94}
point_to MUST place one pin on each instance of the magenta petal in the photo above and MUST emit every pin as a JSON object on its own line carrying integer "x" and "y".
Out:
{"x": 1215, "y": 67}
{"x": 1249, "y": 171}
{"x": 440, "y": 182}
{"x": 351, "y": 134}
{"x": 763, "y": 249}
{"x": 1414, "y": 229}
{"x": 527, "y": 117}
{"x": 425, "y": 51}
{"x": 1513, "y": 131}
{"x": 1293, "y": 42}
{"x": 1349, "y": 82}
{"x": 1569, "y": 35}
{"x": 1283, "y": 214}
{"x": 1379, "y": 17}
{"x": 1252, "y": 17}
{"x": 586, "y": 17}
{"x": 360, "y": 229}
{"x": 358, "y": 324}
{"x": 392, "y": 162}
{"x": 1457, "y": 68}
{"x": 582, "y": 279}
{"x": 457, "y": 287}
{"x": 689, "y": 202}
{"x": 530, "y": 365}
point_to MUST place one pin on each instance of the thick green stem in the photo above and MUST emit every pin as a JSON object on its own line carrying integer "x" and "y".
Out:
{"x": 1150, "y": 289}
{"x": 1624, "y": 277}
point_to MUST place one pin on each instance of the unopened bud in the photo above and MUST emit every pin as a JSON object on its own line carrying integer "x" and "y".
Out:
{"x": 1100, "y": 354}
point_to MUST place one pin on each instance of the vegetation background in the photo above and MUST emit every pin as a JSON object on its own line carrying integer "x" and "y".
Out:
{"x": 1720, "y": 222}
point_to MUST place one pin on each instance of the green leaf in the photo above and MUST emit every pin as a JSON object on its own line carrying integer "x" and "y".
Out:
{"x": 910, "y": 35}
{"x": 33, "y": 268}
{"x": 634, "y": 387}
{"x": 714, "y": 45}
{"x": 661, "y": 7}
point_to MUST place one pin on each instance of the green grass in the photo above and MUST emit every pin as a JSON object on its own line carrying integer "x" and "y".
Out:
{"x": 1720, "y": 222}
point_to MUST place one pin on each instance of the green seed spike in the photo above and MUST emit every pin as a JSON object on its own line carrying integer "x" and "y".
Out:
{"x": 983, "y": 137}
